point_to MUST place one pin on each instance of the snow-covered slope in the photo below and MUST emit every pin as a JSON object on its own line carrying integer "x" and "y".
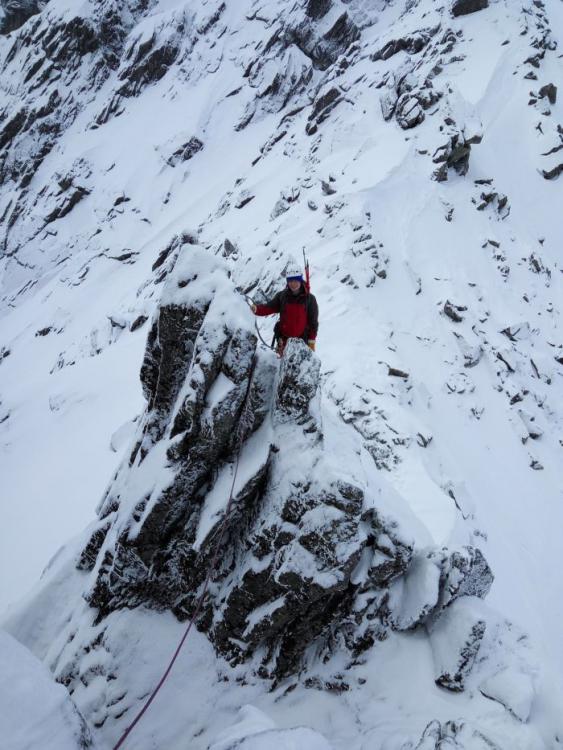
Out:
{"x": 415, "y": 153}
{"x": 36, "y": 712}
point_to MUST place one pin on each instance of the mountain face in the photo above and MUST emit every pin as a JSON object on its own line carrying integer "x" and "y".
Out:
{"x": 335, "y": 520}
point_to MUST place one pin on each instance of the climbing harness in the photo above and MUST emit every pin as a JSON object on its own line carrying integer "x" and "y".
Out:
{"x": 242, "y": 423}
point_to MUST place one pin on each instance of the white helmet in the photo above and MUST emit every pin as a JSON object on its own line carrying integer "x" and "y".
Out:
{"x": 293, "y": 271}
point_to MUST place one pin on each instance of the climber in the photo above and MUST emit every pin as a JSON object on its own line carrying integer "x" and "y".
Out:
{"x": 298, "y": 311}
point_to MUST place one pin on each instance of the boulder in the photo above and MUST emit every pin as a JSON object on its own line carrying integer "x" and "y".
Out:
{"x": 408, "y": 112}
{"x": 185, "y": 151}
{"x": 298, "y": 380}
{"x": 549, "y": 90}
{"x": 463, "y": 7}
{"x": 454, "y": 154}
{"x": 465, "y": 572}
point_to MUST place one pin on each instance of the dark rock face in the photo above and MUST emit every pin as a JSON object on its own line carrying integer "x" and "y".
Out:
{"x": 411, "y": 43}
{"x": 322, "y": 107}
{"x": 229, "y": 456}
{"x": 411, "y": 94}
{"x": 17, "y": 12}
{"x": 323, "y": 45}
{"x": 463, "y": 7}
{"x": 58, "y": 57}
{"x": 553, "y": 174}
{"x": 186, "y": 151}
{"x": 549, "y": 90}
{"x": 318, "y": 8}
{"x": 454, "y": 154}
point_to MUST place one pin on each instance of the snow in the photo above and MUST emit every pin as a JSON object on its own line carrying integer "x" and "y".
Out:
{"x": 416, "y": 593}
{"x": 70, "y": 426}
{"x": 36, "y": 711}
{"x": 287, "y": 739}
{"x": 513, "y": 689}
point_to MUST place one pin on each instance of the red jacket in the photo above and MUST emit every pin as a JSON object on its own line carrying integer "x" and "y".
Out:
{"x": 299, "y": 313}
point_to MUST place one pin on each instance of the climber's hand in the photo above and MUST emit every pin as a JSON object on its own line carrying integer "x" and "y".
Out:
{"x": 311, "y": 345}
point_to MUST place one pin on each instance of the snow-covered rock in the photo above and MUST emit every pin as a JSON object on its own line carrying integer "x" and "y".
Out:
{"x": 456, "y": 638}
{"x": 141, "y": 143}
{"x": 295, "y": 534}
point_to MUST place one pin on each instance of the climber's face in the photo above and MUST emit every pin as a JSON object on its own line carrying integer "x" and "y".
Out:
{"x": 294, "y": 285}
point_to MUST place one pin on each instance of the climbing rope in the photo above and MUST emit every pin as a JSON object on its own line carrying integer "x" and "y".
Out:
{"x": 250, "y": 302}
{"x": 211, "y": 569}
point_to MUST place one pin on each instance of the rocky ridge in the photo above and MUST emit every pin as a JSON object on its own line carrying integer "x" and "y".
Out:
{"x": 306, "y": 561}
{"x": 298, "y": 85}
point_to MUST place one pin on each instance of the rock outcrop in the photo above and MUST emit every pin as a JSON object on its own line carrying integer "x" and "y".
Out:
{"x": 14, "y": 13}
{"x": 463, "y": 7}
{"x": 454, "y": 154}
{"x": 230, "y": 452}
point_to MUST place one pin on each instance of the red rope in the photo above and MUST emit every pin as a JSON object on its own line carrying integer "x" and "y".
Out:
{"x": 211, "y": 570}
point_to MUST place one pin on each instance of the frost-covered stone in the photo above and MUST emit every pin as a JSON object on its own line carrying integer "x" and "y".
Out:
{"x": 329, "y": 37}
{"x": 454, "y": 154}
{"x": 298, "y": 380}
{"x": 434, "y": 579}
{"x": 279, "y": 739}
{"x": 465, "y": 572}
{"x": 408, "y": 112}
